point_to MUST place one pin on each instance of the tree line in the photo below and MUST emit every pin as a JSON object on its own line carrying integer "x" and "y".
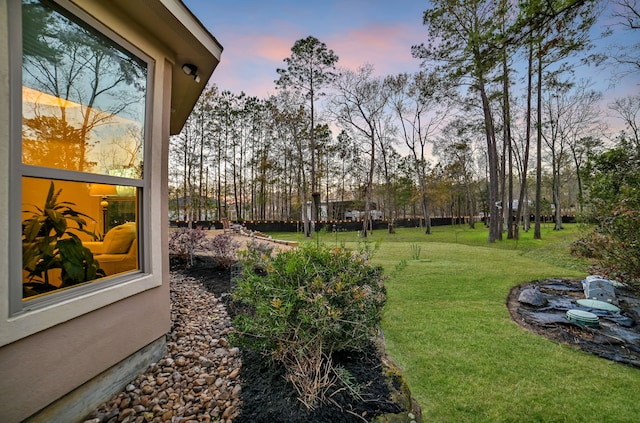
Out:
{"x": 496, "y": 124}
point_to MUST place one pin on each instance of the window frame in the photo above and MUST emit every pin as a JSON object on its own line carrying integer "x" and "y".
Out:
{"x": 108, "y": 288}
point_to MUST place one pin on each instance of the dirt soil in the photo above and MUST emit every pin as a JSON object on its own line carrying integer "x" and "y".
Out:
{"x": 617, "y": 338}
{"x": 267, "y": 397}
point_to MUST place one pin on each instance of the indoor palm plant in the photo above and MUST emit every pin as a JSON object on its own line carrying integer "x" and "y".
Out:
{"x": 49, "y": 241}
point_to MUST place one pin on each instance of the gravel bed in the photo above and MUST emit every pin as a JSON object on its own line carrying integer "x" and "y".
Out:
{"x": 197, "y": 379}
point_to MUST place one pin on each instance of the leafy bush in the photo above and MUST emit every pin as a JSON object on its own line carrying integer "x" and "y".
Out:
{"x": 224, "y": 249}
{"x": 184, "y": 242}
{"x": 49, "y": 242}
{"x": 622, "y": 253}
{"x": 309, "y": 303}
{"x": 590, "y": 246}
{"x": 614, "y": 199}
{"x": 260, "y": 247}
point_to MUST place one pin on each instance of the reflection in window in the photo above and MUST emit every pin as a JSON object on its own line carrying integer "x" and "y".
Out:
{"x": 64, "y": 241}
{"x": 83, "y": 95}
{"x": 83, "y": 110}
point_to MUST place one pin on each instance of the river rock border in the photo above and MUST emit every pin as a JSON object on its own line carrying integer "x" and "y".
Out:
{"x": 197, "y": 379}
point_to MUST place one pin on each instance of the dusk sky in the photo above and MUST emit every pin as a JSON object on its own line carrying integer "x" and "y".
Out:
{"x": 258, "y": 34}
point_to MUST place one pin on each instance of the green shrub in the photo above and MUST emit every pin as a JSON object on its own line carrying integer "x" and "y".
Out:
{"x": 309, "y": 302}
{"x": 612, "y": 179}
{"x": 590, "y": 246}
{"x": 265, "y": 248}
{"x": 622, "y": 253}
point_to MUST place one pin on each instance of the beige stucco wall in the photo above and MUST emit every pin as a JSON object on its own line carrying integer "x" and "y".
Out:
{"x": 56, "y": 358}
{"x": 4, "y": 154}
{"x": 4, "y": 161}
{"x": 39, "y": 369}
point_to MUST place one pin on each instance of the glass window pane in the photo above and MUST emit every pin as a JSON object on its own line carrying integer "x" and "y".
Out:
{"x": 75, "y": 233}
{"x": 83, "y": 96}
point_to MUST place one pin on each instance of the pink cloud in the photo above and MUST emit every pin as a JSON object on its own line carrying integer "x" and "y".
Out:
{"x": 388, "y": 48}
{"x": 249, "y": 63}
{"x": 250, "y": 60}
{"x": 267, "y": 47}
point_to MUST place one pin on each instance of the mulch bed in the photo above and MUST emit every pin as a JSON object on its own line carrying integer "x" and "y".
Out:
{"x": 610, "y": 340}
{"x": 266, "y": 395}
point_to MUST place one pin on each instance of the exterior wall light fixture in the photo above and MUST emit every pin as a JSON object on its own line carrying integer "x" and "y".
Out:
{"x": 191, "y": 70}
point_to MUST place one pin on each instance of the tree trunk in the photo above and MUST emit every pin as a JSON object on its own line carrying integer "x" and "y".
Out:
{"x": 525, "y": 164}
{"x": 536, "y": 230}
{"x": 201, "y": 168}
{"x": 556, "y": 199}
{"x": 470, "y": 204}
{"x": 312, "y": 147}
{"x": 367, "y": 206}
{"x": 426, "y": 214}
{"x": 494, "y": 219}
{"x": 579, "y": 178}
{"x": 184, "y": 183}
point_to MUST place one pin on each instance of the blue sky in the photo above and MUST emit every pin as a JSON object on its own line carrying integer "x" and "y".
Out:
{"x": 258, "y": 34}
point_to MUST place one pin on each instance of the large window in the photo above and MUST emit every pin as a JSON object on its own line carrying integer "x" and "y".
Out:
{"x": 81, "y": 152}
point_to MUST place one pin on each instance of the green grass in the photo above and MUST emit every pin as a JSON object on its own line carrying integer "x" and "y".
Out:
{"x": 447, "y": 326}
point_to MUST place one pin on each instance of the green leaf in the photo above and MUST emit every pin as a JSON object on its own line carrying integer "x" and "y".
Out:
{"x": 72, "y": 259}
{"x": 32, "y": 227}
{"x": 47, "y": 243}
{"x": 58, "y": 222}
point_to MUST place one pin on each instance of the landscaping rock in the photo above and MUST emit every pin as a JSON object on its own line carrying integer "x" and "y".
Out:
{"x": 616, "y": 337}
{"x": 201, "y": 378}
{"x": 596, "y": 288}
{"x": 532, "y": 297}
{"x": 196, "y": 380}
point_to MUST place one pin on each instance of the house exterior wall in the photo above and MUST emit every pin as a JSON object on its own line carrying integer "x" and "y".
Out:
{"x": 43, "y": 367}
{"x": 46, "y": 354}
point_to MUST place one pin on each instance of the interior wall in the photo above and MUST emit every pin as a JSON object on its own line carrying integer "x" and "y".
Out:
{"x": 34, "y": 194}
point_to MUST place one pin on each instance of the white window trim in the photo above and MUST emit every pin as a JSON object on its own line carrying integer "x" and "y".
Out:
{"x": 19, "y": 319}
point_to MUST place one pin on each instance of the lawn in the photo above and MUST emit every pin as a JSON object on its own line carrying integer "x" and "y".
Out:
{"x": 447, "y": 326}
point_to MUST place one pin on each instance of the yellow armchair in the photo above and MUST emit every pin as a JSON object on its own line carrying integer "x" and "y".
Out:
{"x": 118, "y": 252}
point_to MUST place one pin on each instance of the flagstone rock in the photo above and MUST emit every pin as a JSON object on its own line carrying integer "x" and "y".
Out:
{"x": 532, "y": 297}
